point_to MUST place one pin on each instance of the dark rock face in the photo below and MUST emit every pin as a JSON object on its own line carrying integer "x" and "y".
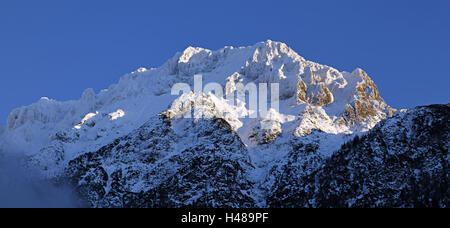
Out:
{"x": 402, "y": 162}
{"x": 290, "y": 178}
{"x": 203, "y": 165}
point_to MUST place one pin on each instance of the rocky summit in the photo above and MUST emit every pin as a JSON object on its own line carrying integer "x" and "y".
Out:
{"x": 333, "y": 142}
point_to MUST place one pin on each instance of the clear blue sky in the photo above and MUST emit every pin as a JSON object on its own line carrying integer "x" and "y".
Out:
{"x": 59, "y": 48}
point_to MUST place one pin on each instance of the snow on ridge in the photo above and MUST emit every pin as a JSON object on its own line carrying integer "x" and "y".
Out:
{"x": 341, "y": 102}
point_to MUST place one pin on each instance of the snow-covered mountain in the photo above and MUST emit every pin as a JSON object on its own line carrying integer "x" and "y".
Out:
{"x": 129, "y": 145}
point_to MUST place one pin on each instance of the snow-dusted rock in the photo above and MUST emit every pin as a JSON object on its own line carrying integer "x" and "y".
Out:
{"x": 119, "y": 153}
{"x": 402, "y": 162}
{"x": 168, "y": 162}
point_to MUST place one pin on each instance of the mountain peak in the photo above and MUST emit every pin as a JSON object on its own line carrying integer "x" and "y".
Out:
{"x": 190, "y": 134}
{"x": 312, "y": 97}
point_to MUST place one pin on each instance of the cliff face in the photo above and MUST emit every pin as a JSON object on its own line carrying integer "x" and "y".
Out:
{"x": 402, "y": 162}
{"x": 202, "y": 164}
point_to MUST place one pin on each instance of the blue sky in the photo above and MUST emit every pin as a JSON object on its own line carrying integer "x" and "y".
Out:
{"x": 59, "y": 48}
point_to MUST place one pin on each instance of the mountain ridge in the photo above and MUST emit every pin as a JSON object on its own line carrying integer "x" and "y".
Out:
{"x": 144, "y": 93}
{"x": 291, "y": 182}
{"x": 131, "y": 143}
